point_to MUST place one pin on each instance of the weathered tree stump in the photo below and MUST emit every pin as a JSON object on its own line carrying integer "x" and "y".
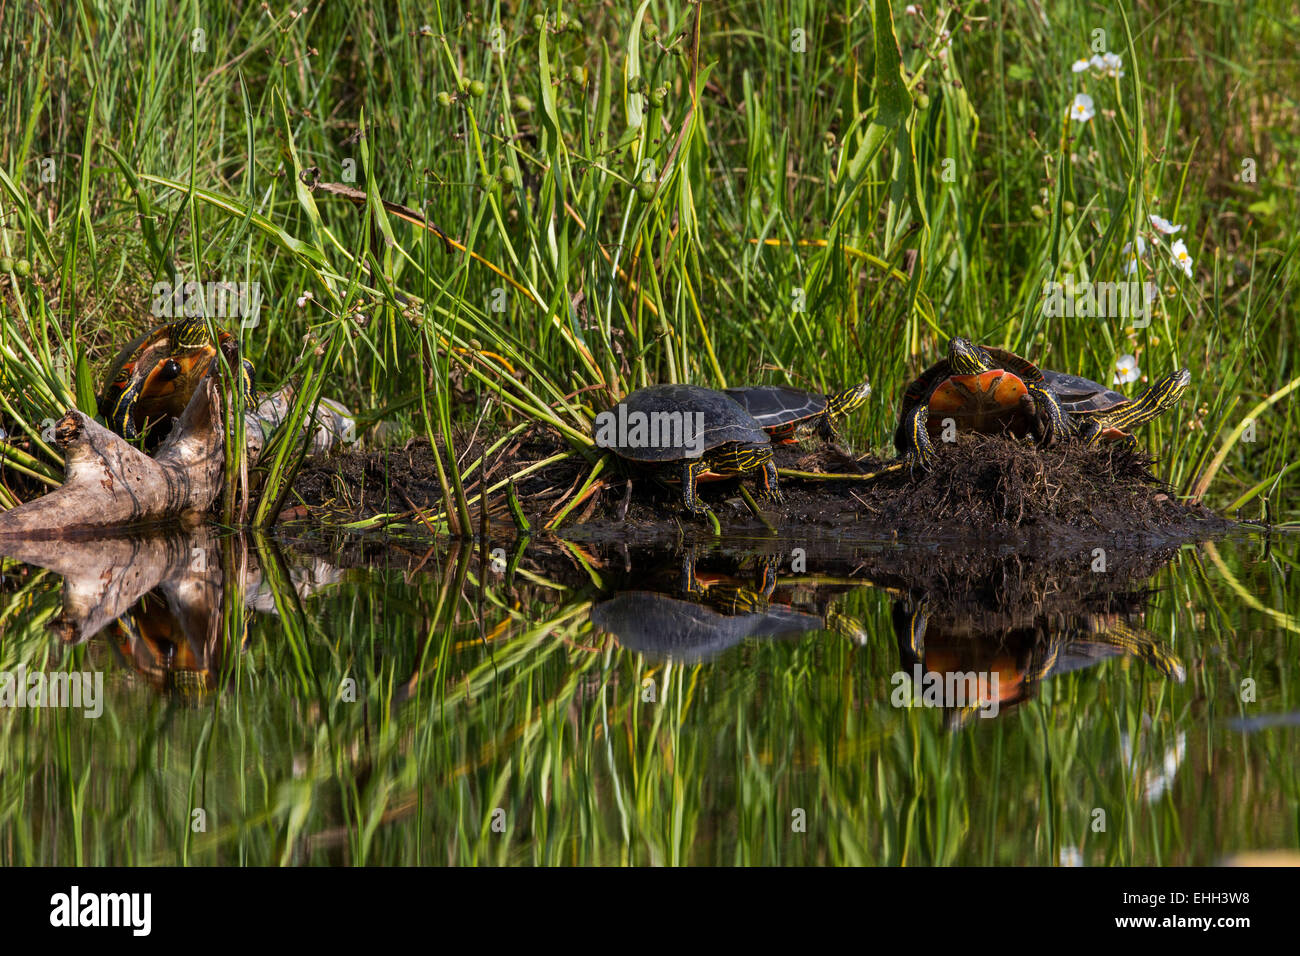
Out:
{"x": 112, "y": 484}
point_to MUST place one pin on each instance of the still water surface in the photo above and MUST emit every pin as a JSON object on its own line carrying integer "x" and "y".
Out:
{"x": 368, "y": 702}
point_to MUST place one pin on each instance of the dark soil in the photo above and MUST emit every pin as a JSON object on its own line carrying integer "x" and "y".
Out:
{"x": 982, "y": 489}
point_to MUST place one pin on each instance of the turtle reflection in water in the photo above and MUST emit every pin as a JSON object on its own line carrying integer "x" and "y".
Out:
{"x": 706, "y": 613}
{"x": 1004, "y": 659}
{"x": 178, "y": 650}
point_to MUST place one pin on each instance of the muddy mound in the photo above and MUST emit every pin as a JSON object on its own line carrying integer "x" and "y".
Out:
{"x": 981, "y": 488}
{"x": 983, "y": 485}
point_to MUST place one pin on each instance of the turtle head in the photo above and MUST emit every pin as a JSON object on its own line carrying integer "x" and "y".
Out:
{"x": 849, "y": 400}
{"x": 188, "y": 334}
{"x": 142, "y": 376}
{"x": 133, "y": 378}
{"x": 967, "y": 358}
{"x": 1157, "y": 399}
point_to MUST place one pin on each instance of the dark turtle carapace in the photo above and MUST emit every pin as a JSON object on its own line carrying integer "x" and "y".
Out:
{"x": 688, "y": 433}
{"x": 788, "y": 414}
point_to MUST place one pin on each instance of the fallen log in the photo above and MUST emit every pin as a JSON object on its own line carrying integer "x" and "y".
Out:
{"x": 112, "y": 484}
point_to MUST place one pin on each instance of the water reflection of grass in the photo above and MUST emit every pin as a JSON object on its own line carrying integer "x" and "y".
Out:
{"x": 524, "y": 709}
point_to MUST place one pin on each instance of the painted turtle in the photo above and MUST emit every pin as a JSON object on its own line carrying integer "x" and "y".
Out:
{"x": 706, "y": 613}
{"x": 690, "y": 433}
{"x": 981, "y": 389}
{"x": 1102, "y": 414}
{"x": 1002, "y": 662}
{"x": 155, "y": 374}
{"x": 788, "y": 414}
{"x": 660, "y": 626}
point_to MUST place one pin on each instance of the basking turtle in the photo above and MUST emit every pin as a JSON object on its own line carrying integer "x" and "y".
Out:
{"x": 1102, "y": 414}
{"x": 689, "y": 433}
{"x": 788, "y": 414}
{"x": 155, "y": 374}
{"x": 981, "y": 389}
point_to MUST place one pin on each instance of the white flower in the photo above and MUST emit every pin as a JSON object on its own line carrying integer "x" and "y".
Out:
{"x": 911, "y": 10}
{"x": 1111, "y": 65}
{"x": 1126, "y": 370}
{"x": 1164, "y": 225}
{"x": 1141, "y": 246}
{"x": 1097, "y": 63}
{"x": 1081, "y": 109}
{"x": 1078, "y": 66}
{"x": 304, "y": 299}
{"x": 1182, "y": 258}
{"x": 1132, "y": 265}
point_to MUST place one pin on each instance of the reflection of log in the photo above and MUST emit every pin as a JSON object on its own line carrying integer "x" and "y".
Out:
{"x": 187, "y": 569}
{"x": 112, "y": 483}
{"x": 104, "y": 576}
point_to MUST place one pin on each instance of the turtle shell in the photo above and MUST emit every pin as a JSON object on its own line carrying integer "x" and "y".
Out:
{"x": 660, "y": 412}
{"x": 774, "y": 406}
{"x": 1078, "y": 395}
{"x": 129, "y": 355}
{"x": 985, "y": 402}
{"x": 659, "y": 626}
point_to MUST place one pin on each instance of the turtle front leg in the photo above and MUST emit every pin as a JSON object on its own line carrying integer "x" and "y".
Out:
{"x": 771, "y": 488}
{"x": 121, "y": 416}
{"x": 828, "y": 431}
{"x": 913, "y": 438}
{"x": 1088, "y": 431}
{"x": 246, "y": 381}
{"x": 1052, "y": 422}
{"x": 1093, "y": 432}
{"x": 691, "y": 471}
